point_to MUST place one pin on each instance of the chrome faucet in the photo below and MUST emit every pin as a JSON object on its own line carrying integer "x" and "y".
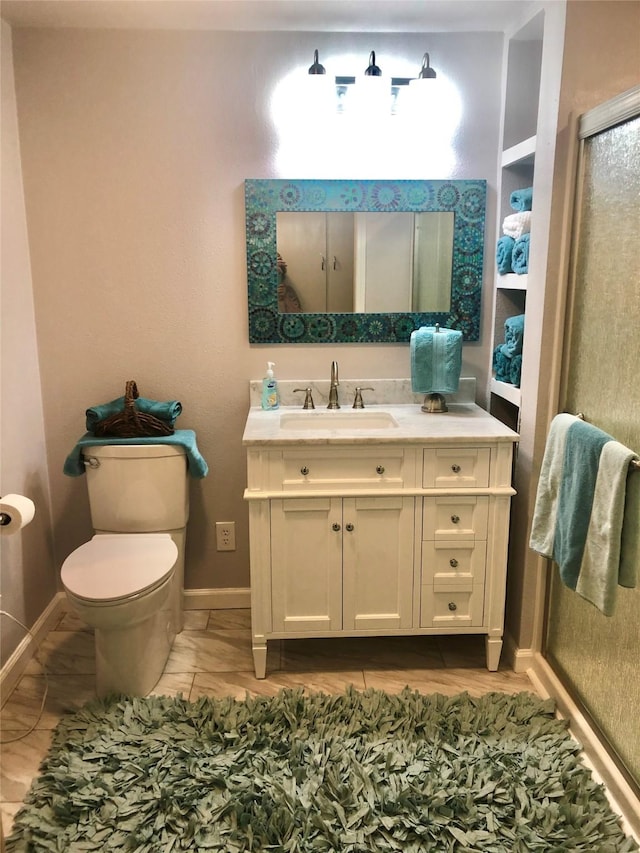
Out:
{"x": 333, "y": 388}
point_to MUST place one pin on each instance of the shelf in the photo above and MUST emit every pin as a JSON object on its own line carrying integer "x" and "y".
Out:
{"x": 506, "y": 391}
{"x": 511, "y": 281}
{"x": 521, "y": 154}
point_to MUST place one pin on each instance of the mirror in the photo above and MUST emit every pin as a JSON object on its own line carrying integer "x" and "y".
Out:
{"x": 363, "y": 261}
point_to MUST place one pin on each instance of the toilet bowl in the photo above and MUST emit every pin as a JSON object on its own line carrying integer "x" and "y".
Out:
{"x": 120, "y": 584}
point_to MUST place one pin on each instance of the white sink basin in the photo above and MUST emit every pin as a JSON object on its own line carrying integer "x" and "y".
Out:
{"x": 356, "y": 419}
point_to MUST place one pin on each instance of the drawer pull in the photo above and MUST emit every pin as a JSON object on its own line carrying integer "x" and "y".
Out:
{"x": 453, "y": 605}
{"x": 380, "y": 469}
{"x": 453, "y": 563}
{"x": 456, "y": 469}
{"x": 335, "y": 526}
{"x": 349, "y": 527}
{"x": 304, "y": 470}
{"x": 455, "y": 519}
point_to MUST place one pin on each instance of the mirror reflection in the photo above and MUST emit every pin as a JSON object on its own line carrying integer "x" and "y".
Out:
{"x": 366, "y": 262}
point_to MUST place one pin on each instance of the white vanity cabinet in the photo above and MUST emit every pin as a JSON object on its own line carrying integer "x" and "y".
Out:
{"x": 387, "y": 532}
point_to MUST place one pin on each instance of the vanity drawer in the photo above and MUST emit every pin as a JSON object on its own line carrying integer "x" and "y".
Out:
{"x": 455, "y": 517}
{"x": 340, "y": 468}
{"x": 456, "y": 467}
{"x": 451, "y": 604}
{"x": 445, "y": 560}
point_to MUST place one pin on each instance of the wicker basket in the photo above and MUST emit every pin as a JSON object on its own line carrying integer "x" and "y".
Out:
{"x": 130, "y": 423}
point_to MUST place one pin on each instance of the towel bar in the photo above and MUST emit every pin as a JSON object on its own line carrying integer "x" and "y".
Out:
{"x": 634, "y": 464}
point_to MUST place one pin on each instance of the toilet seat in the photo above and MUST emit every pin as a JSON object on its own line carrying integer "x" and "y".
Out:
{"x": 115, "y": 567}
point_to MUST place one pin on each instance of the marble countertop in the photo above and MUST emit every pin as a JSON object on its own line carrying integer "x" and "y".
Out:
{"x": 463, "y": 422}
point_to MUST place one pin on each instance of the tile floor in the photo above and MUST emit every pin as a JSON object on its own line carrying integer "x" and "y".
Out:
{"x": 212, "y": 656}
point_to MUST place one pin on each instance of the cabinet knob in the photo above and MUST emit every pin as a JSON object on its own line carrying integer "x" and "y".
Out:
{"x": 335, "y": 526}
{"x": 349, "y": 527}
{"x": 380, "y": 469}
{"x": 455, "y": 519}
{"x": 453, "y": 605}
{"x": 304, "y": 470}
{"x": 456, "y": 469}
{"x": 453, "y": 563}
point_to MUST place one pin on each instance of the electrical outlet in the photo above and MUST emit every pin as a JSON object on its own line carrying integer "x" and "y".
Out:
{"x": 226, "y": 535}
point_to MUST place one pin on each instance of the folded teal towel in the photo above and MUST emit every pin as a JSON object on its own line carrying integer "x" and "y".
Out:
{"x": 513, "y": 336}
{"x": 522, "y": 199}
{"x": 578, "y": 517}
{"x": 515, "y": 370}
{"x": 501, "y": 365}
{"x": 504, "y": 253}
{"x": 167, "y": 412}
{"x": 520, "y": 256}
{"x": 197, "y": 467}
{"x": 436, "y": 360}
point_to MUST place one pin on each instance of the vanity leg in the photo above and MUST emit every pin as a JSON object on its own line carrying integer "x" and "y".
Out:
{"x": 493, "y": 648}
{"x": 260, "y": 658}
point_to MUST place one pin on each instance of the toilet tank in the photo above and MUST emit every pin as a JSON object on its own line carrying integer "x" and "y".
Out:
{"x": 137, "y": 488}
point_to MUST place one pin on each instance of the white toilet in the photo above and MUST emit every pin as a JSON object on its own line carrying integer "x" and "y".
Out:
{"x": 127, "y": 581}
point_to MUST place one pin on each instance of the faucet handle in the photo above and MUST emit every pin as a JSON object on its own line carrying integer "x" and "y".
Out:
{"x": 357, "y": 402}
{"x": 308, "y": 399}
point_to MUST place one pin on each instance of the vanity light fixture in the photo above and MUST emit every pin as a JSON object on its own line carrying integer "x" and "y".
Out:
{"x": 426, "y": 72}
{"x": 372, "y": 73}
{"x": 316, "y": 68}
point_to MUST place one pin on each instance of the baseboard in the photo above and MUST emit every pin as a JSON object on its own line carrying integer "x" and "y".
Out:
{"x": 228, "y": 598}
{"x": 14, "y": 668}
{"x": 623, "y": 798}
{"x": 520, "y": 660}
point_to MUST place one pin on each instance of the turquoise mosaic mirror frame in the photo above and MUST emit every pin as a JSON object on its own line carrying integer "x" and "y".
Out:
{"x": 265, "y": 197}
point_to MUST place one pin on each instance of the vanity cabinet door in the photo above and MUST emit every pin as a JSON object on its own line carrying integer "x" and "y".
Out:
{"x": 341, "y": 564}
{"x": 306, "y": 565}
{"x": 378, "y": 563}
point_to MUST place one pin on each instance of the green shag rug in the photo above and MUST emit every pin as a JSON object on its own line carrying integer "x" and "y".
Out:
{"x": 362, "y": 771}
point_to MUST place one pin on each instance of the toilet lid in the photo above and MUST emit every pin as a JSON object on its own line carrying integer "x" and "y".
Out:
{"x": 110, "y": 567}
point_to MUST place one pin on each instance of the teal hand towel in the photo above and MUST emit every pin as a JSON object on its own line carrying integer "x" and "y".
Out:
{"x": 196, "y": 465}
{"x": 436, "y": 360}
{"x": 167, "y": 412}
{"x": 583, "y": 447}
{"x": 522, "y": 199}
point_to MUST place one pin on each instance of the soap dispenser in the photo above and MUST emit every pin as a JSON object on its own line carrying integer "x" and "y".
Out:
{"x": 270, "y": 396}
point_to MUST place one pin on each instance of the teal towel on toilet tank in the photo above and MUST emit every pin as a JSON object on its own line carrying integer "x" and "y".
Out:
{"x": 436, "y": 360}
{"x": 196, "y": 464}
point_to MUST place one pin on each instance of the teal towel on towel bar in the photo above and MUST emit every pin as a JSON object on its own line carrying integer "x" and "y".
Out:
{"x": 522, "y": 199}
{"x": 167, "y": 412}
{"x": 196, "y": 465}
{"x": 436, "y": 360}
{"x": 578, "y": 517}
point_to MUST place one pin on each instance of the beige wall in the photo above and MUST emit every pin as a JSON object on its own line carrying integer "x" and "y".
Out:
{"x": 135, "y": 146}
{"x": 28, "y": 580}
